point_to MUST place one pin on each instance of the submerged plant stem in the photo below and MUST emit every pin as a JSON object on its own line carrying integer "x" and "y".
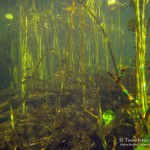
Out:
{"x": 83, "y": 57}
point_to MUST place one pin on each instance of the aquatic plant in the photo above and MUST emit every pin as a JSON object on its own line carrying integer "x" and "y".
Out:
{"x": 100, "y": 23}
{"x": 66, "y": 98}
{"x": 83, "y": 69}
{"x": 9, "y": 16}
{"x": 140, "y": 35}
{"x": 108, "y": 116}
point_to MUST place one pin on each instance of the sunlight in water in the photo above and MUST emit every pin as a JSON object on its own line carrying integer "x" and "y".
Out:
{"x": 111, "y": 2}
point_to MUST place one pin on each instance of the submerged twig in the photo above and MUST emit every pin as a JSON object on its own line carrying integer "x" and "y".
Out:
{"x": 36, "y": 67}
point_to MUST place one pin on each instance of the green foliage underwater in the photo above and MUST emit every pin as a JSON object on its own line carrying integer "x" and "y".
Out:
{"x": 74, "y": 74}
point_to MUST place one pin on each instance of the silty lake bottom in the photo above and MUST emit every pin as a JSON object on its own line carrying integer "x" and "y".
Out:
{"x": 74, "y": 75}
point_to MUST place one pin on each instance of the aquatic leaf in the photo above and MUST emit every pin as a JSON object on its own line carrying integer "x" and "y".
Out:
{"x": 108, "y": 116}
{"x": 9, "y": 16}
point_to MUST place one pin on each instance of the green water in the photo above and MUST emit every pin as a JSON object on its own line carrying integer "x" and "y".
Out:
{"x": 68, "y": 75}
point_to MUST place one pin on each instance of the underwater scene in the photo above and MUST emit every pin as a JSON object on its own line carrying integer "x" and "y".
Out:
{"x": 74, "y": 74}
